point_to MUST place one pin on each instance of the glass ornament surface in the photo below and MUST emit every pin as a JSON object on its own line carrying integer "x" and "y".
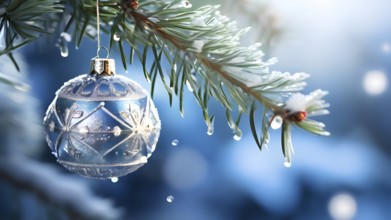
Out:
{"x": 102, "y": 125}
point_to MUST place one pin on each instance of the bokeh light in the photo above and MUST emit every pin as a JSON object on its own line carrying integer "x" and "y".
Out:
{"x": 386, "y": 47}
{"x": 185, "y": 169}
{"x": 342, "y": 207}
{"x": 375, "y": 82}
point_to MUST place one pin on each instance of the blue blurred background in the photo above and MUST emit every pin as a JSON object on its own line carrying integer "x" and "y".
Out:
{"x": 344, "y": 45}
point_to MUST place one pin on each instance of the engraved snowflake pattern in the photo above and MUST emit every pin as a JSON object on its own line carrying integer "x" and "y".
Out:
{"x": 139, "y": 121}
{"x": 70, "y": 114}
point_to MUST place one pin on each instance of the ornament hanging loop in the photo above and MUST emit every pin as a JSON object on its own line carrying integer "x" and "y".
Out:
{"x": 99, "y": 51}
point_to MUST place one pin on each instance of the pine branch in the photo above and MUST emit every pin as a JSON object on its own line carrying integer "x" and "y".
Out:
{"x": 220, "y": 59}
{"x": 24, "y": 21}
{"x": 202, "y": 49}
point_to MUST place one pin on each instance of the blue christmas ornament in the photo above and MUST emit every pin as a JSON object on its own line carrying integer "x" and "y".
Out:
{"x": 102, "y": 125}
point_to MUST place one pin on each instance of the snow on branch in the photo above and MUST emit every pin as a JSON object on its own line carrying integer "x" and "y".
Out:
{"x": 66, "y": 193}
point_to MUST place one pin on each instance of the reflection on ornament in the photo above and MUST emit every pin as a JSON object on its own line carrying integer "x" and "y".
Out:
{"x": 102, "y": 125}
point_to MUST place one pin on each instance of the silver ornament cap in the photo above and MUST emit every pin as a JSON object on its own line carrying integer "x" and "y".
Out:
{"x": 102, "y": 67}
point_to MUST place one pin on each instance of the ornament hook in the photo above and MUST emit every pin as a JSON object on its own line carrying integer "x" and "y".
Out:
{"x": 98, "y": 52}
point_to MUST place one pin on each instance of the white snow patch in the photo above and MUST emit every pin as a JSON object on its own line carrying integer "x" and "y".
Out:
{"x": 63, "y": 190}
{"x": 297, "y": 103}
{"x": 198, "y": 45}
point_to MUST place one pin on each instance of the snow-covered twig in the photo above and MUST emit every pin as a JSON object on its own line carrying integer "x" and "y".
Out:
{"x": 68, "y": 194}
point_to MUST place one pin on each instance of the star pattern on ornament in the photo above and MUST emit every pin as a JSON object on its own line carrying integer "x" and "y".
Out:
{"x": 138, "y": 120}
{"x": 70, "y": 114}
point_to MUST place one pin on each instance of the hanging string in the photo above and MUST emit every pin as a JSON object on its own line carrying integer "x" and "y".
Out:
{"x": 98, "y": 32}
{"x": 98, "y": 26}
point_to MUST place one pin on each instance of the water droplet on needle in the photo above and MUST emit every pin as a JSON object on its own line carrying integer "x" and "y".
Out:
{"x": 211, "y": 126}
{"x": 116, "y": 36}
{"x": 114, "y": 179}
{"x": 66, "y": 36}
{"x": 64, "y": 50}
{"x": 210, "y": 130}
{"x": 237, "y": 135}
{"x": 277, "y": 122}
{"x": 62, "y": 43}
